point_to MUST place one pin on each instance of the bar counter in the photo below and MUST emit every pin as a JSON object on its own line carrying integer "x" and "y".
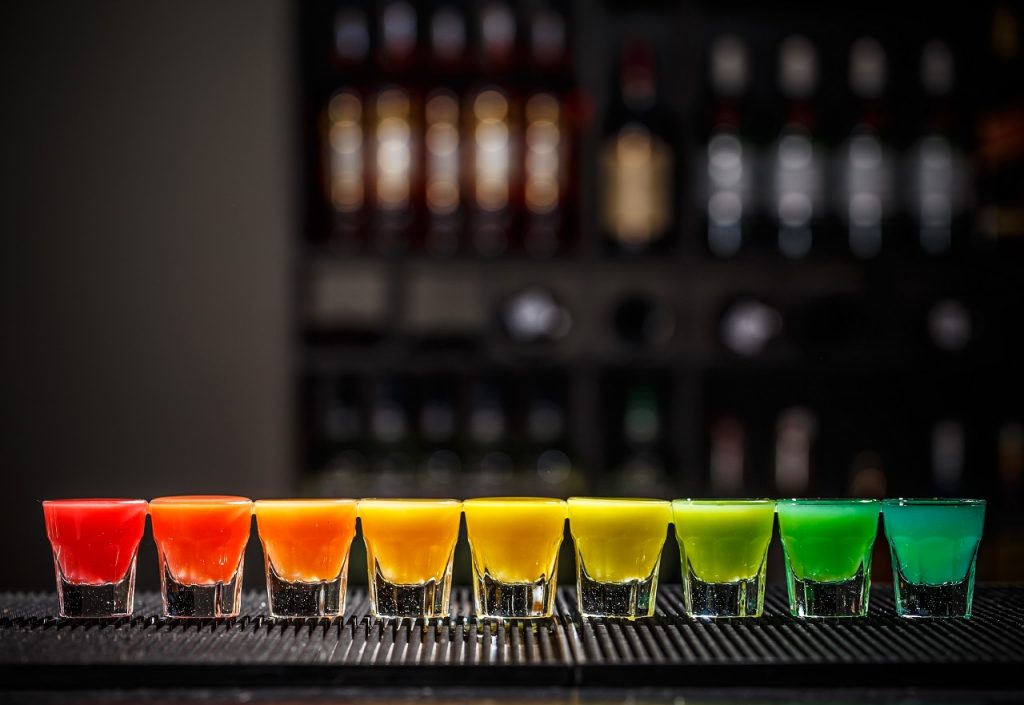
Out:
{"x": 150, "y": 654}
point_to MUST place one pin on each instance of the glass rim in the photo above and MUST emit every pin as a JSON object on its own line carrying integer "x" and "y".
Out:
{"x": 408, "y": 500}
{"x": 827, "y": 500}
{"x": 724, "y": 502}
{"x": 617, "y": 500}
{"x": 92, "y": 501}
{"x": 548, "y": 501}
{"x": 200, "y": 500}
{"x": 934, "y": 502}
{"x": 304, "y": 501}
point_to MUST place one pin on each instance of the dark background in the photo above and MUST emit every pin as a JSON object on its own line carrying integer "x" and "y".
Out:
{"x": 163, "y": 230}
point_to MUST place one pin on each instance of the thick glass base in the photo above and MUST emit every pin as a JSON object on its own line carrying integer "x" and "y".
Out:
{"x": 427, "y": 600}
{"x": 845, "y": 598}
{"x": 740, "y": 598}
{"x": 96, "y": 601}
{"x": 948, "y": 600}
{"x": 325, "y": 598}
{"x": 499, "y": 600}
{"x": 629, "y": 599}
{"x": 201, "y": 601}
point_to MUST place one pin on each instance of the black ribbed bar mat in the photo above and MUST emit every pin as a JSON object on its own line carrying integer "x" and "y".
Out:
{"x": 40, "y": 651}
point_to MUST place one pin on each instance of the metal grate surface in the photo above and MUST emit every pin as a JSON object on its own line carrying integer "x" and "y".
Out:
{"x": 38, "y": 650}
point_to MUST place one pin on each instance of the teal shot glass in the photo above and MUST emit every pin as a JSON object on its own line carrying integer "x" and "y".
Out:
{"x": 934, "y": 546}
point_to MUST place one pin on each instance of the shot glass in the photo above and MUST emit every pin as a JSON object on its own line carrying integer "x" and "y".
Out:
{"x": 306, "y": 543}
{"x": 95, "y": 546}
{"x": 514, "y": 543}
{"x": 934, "y": 547}
{"x": 200, "y": 542}
{"x": 409, "y": 548}
{"x": 618, "y": 554}
{"x": 724, "y": 547}
{"x": 827, "y": 545}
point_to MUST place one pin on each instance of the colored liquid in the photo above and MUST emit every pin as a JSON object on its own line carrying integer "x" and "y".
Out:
{"x": 828, "y": 542}
{"x": 619, "y": 540}
{"x": 515, "y": 539}
{"x": 201, "y": 538}
{"x": 411, "y": 540}
{"x": 94, "y": 540}
{"x": 724, "y": 542}
{"x": 934, "y": 543}
{"x": 306, "y": 540}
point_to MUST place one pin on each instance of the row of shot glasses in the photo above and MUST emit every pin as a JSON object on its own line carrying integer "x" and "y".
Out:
{"x": 514, "y": 544}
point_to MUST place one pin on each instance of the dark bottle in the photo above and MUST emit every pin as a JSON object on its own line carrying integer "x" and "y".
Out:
{"x": 864, "y": 162}
{"x": 729, "y": 155}
{"x": 637, "y": 159}
{"x": 937, "y": 171}
{"x": 392, "y": 444}
{"x": 998, "y": 160}
{"x": 440, "y": 462}
{"x": 443, "y": 182}
{"x": 490, "y": 466}
{"x": 343, "y": 159}
{"x": 795, "y": 162}
{"x": 340, "y": 439}
{"x": 643, "y": 470}
{"x": 547, "y": 444}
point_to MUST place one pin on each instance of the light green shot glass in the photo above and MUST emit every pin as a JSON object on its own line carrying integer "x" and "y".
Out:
{"x": 723, "y": 545}
{"x": 934, "y": 546}
{"x": 827, "y": 545}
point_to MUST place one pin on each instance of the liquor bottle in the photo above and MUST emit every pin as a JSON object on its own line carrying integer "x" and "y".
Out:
{"x": 441, "y": 464}
{"x": 795, "y": 433}
{"x": 534, "y": 315}
{"x": 340, "y": 439}
{"x": 865, "y": 159}
{"x": 637, "y": 159}
{"x": 351, "y": 39}
{"x": 549, "y": 37}
{"x": 546, "y": 159}
{"x": 448, "y": 38}
{"x": 343, "y": 150}
{"x": 498, "y": 36}
{"x": 644, "y": 322}
{"x": 643, "y": 469}
{"x": 797, "y": 157}
{"x": 749, "y": 326}
{"x": 547, "y": 446}
{"x": 947, "y": 445}
{"x": 1000, "y": 122}
{"x": 393, "y": 466}
{"x": 727, "y": 456}
{"x": 398, "y": 42}
{"x": 395, "y": 179}
{"x": 937, "y": 170}
{"x": 443, "y": 173}
{"x": 492, "y": 121}
{"x": 730, "y": 156}
{"x": 489, "y": 464}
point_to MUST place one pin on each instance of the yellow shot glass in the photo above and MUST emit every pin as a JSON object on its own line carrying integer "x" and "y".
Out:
{"x": 306, "y": 544}
{"x": 618, "y": 554}
{"x": 409, "y": 548}
{"x": 514, "y": 542}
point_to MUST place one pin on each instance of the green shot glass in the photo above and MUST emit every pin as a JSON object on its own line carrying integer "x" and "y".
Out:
{"x": 934, "y": 546}
{"x": 723, "y": 545}
{"x": 827, "y": 545}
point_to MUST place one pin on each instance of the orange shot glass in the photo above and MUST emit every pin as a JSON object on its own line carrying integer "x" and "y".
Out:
{"x": 200, "y": 542}
{"x": 306, "y": 544}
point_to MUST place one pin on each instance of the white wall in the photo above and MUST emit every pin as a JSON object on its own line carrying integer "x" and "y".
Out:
{"x": 146, "y": 217}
